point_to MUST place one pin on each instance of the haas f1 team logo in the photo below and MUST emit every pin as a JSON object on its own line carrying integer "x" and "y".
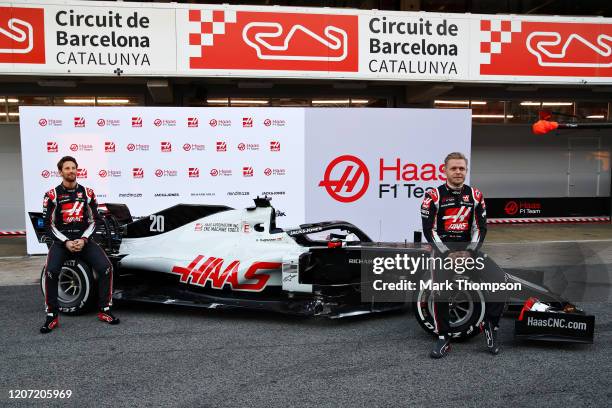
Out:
{"x": 456, "y": 219}
{"x": 72, "y": 212}
{"x": 22, "y": 35}
{"x": 531, "y": 48}
{"x": 272, "y": 41}
{"x": 212, "y": 272}
{"x": 346, "y": 179}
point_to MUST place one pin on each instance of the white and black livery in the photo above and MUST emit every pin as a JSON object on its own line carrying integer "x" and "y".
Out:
{"x": 218, "y": 257}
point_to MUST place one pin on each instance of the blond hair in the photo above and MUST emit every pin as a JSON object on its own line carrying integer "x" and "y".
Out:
{"x": 456, "y": 156}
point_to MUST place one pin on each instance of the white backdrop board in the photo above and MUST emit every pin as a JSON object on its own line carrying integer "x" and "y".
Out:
{"x": 371, "y": 166}
{"x": 152, "y": 158}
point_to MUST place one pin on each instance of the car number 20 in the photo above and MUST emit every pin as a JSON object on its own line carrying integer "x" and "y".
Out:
{"x": 157, "y": 223}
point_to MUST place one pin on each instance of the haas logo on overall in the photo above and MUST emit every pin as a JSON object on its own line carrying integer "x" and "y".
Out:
{"x": 72, "y": 212}
{"x": 272, "y": 41}
{"x": 456, "y": 219}
{"x": 22, "y": 35}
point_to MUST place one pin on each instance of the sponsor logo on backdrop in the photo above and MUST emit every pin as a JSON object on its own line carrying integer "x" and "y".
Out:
{"x": 248, "y": 146}
{"x": 274, "y": 122}
{"x": 136, "y": 121}
{"x": 202, "y": 194}
{"x": 247, "y": 171}
{"x": 108, "y": 122}
{"x": 193, "y": 147}
{"x": 347, "y": 178}
{"x": 22, "y": 35}
{"x": 166, "y": 195}
{"x": 44, "y": 122}
{"x": 137, "y": 172}
{"x": 220, "y": 122}
{"x": 130, "y": 195}
{"x": 136, "y": 147}
{"x": 511, "y": 208}
{"x": 221, "y": 147}
{"x": 274, "y": 172}
{"x": 238, "y": 193}
{"x": 104, "y": 173}
{"x": 272, "y": 193}
{"x": 537, "y": 48}
{"x": 164, "y": 122}
{"x": 193, "y": 172}
{"x": 165, "y": 173}
{"x": 81, "y": 173}
{"x": 50, "y": 173}
{"x": 275, "y": 146}
{"x": 247, "y": 122}
{"x": 273, "y": 41}
{"x": 192, "y": 122}
{"x": 523, "y": 208}
{"x": 80, "y": 147}
{"x": 221, "y": 172}
{"x": 166, "y": 147}
{"x": 79, "y": 122}
{"x": 109, "y": 147}
{"x": 52, "y": 147}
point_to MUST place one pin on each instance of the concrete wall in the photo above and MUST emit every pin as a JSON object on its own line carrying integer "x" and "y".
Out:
{"x": 11, "y": 176}
{"x": 507, "y": 161}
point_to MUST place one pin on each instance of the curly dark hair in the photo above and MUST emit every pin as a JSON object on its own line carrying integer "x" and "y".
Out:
{"x": 60, "y": 164}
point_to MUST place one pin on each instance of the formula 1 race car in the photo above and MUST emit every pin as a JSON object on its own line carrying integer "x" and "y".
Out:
{"x": 218, "y": 257}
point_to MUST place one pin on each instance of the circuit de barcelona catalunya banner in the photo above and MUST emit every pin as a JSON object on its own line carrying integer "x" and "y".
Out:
{"x": 315, "y": 164}
{"x": 142, "y": 39}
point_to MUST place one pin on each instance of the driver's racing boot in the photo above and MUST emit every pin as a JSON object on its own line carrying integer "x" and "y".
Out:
{"x": 441, "y": 347}
{"x": 51, "y": 322}
{"x": 105, "y": 315}
{"x": 490, "y": 332}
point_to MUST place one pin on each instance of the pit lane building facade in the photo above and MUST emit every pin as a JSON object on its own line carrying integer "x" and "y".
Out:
{"x": 389, "y": 54}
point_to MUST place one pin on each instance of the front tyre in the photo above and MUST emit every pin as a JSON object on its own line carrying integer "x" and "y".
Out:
{"x": 467, "y": 310}
{"x": 75, "y": 287}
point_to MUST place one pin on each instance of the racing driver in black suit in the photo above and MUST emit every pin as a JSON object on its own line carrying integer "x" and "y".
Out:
{"x": 70, "y": 211}
{"x": 455, "y": 223}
